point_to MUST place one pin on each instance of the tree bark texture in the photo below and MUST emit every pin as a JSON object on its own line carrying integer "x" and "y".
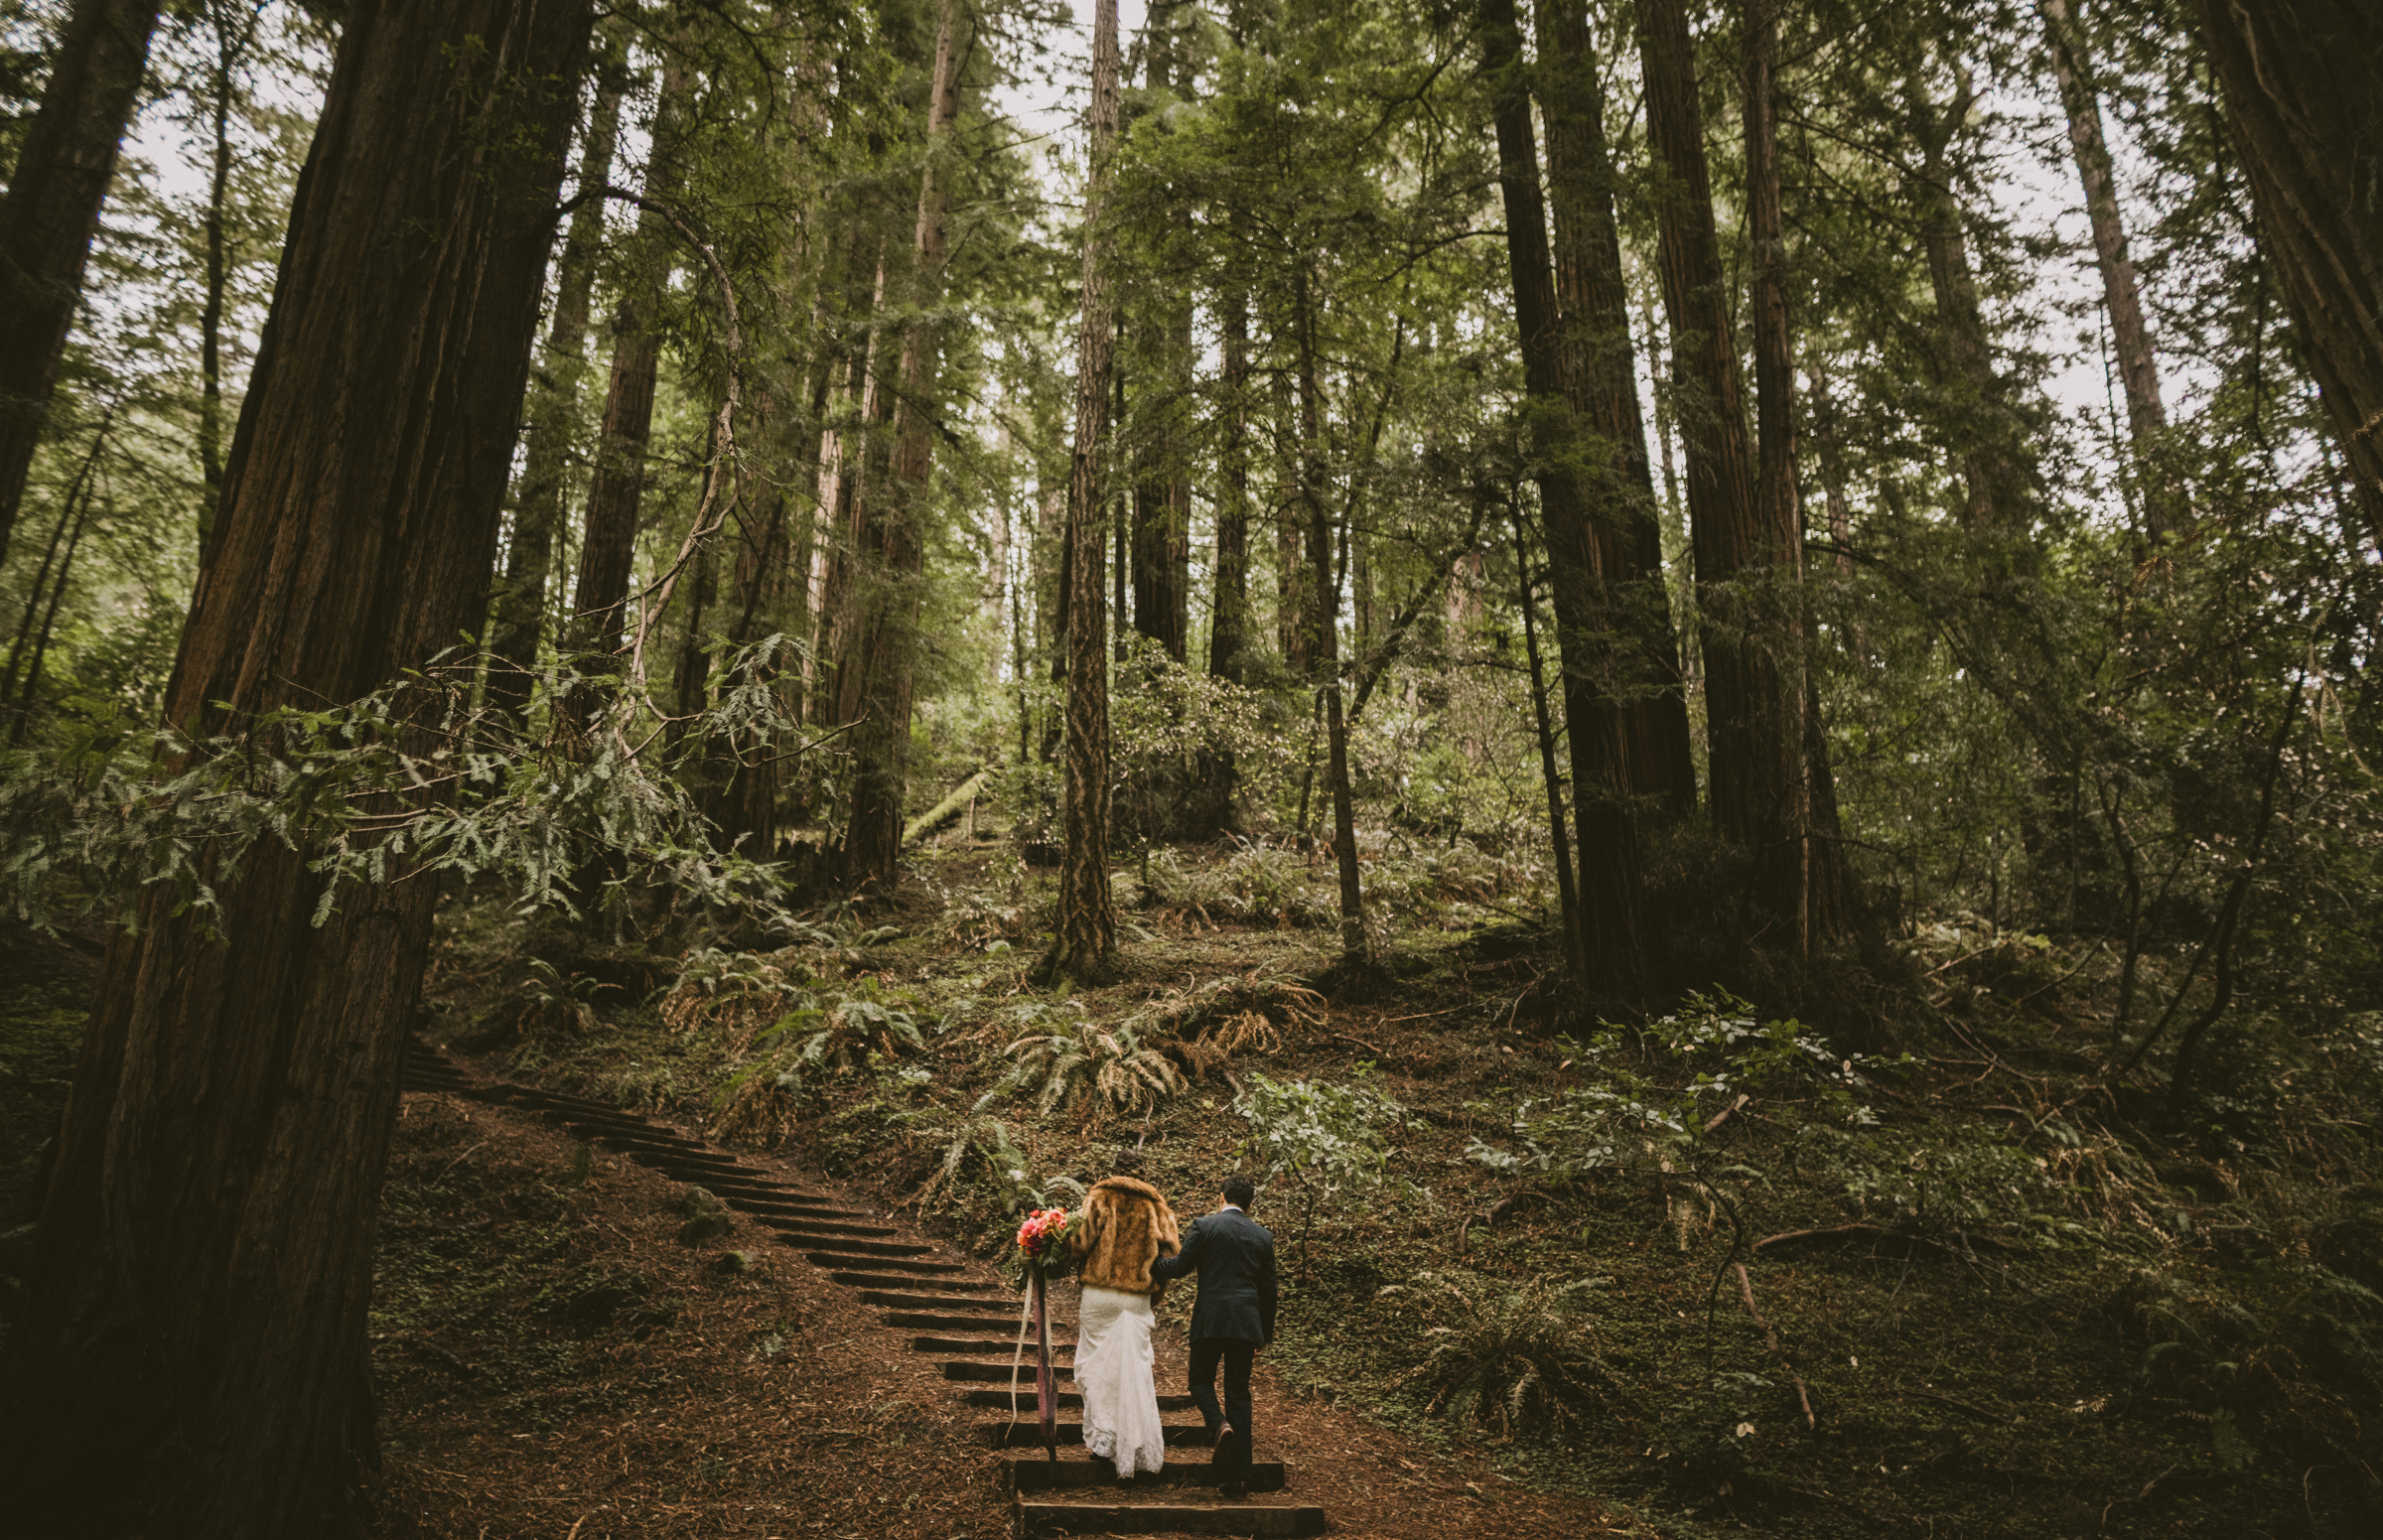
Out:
{"x": 1086, "y": 946}
{"x": 191, "y": 1359}
{"x": 2122, "y": 293}
{"x": 609, "y": 541}
{"x": 519, "y": 612}
{"x": 1596, "y": 714}
{"x": 234, "y": 25}
{"x": 1617, "y": 487}
{"x": 1752, "y": 706}
{"x": 52, "y": 211}
{"x": 892, "y": 530}
{"x": 1162, "y": 535}
{"x": 1323, "y": 647}
{"x": 2302, "y": 85}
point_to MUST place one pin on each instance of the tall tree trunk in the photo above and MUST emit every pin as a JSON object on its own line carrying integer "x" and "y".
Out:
{"x": 1086, "y": 946}
{"x": 1229, "y": 622}
{"x": 519, "y": 605}
{"x": 30, "y": 695}
{"x": 52, "y": 211}
{"x": 609, "y": 541}
{"x": 2302, "y": 85}
{"x": 1567, "y": 893}
{"x": 2122, "y": 297}
{"x": 234, "y": 23}
{"x": 190, "y": 1359}
{"x": 1580, "y": 560}
{"x": 1753, "y": 709}
{"x": 77, "y": 491}
{"x": 1600, "y": 377}
{"x": 1162, "y": 518}
{"x": 893, "y": 528}
{"x": 1323, "y": 650}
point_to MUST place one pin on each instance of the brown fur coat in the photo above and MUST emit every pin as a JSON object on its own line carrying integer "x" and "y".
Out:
{"x": 1125, "y": 1225}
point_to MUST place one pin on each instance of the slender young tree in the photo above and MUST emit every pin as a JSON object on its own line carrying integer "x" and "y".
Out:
{"x": 2122, "y": 295}
{"x": 191, "y": 1361}
{"x": 233, "y": 25}
{"x": 51, "y": 210}
{"x": 1085, "y": 946}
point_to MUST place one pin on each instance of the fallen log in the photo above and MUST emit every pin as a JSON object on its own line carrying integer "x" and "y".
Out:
{"x": 947, "y": 810}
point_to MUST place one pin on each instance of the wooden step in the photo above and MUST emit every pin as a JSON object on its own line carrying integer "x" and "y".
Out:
{"x": 998, "y": 1395}
{"x": 1034, "y": 1473}
{"x": 989, "y": 1311}
{"x": 888, "y": 1280}
{"x": 999, "y": 1373}
{"x": 942, "y": 1320}
{"x": 793, "y": 1220}
{"x": 870, "y": 1250}
{"x": 975, "y": 1345}
{"x": 878, "y": 1262}
{"x": 1045, "y": 1517}
{"x": 1025, "y": 1432}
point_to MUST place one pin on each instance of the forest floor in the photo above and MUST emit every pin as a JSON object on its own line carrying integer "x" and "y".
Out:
{"x": 2022, "y": 1315}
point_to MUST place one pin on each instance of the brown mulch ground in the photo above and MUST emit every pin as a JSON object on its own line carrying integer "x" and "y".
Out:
{"x": 553, "y": 1364}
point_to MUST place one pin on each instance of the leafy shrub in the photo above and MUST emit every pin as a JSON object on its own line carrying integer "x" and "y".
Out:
{"x": 1325, "y": 1140}
{"x": 762, "y": 1100}
{"x": 1515, "y": 1360}
{"x": 1211, "y": 1024}
{"x": 552, "y": 1001}
{"x": 1260, "y": 882}
{"x": 734, "y": 991}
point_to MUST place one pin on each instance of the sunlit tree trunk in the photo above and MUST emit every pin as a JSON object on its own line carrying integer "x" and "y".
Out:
{"x": 1086, "y": 946}
{"x": 52, "y": 211}
{"x": 190, "y": 1362}
{"x": 2302, "y": 86}
{"x": 2122, "y": 296}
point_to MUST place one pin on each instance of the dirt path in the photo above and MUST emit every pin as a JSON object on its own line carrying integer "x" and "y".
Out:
{"x": 564, "y": 1353}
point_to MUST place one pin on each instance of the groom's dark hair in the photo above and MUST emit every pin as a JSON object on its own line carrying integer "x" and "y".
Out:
{"x": 1240, "y": 1191}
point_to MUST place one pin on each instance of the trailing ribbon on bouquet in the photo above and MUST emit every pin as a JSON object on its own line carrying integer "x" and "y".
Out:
{"x": 1037, "y": 1237}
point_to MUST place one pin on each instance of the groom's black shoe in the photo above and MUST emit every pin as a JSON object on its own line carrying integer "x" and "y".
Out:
{"x": 1222, "y": 1453}
{"x": 1234, "y": 1489}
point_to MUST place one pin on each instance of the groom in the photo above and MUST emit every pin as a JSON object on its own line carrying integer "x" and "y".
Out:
{"x": 1233, "y": 1256}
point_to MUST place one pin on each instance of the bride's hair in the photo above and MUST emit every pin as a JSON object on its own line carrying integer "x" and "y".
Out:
{"x": 1240, "y": 1191}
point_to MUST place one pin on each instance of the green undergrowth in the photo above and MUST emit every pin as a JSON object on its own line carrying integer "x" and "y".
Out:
{"x": 2015, "y": 1303}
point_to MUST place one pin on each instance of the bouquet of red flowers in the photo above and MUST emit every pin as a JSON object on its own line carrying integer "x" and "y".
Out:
{"x": 1041, "y": 1233}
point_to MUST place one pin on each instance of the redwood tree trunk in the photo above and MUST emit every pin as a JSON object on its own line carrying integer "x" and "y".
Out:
{"x": 520, "y": 607}
{"x": 1579, "y": 558}
{"x": 1600, "y": 367}
{"x": 893, "y": 532}
{"x": 1753, "y": 709}
{"x": 2302, "y": 86}
{"x": 52, "y": 211}
{"x": 191, "y": 1361}
{"x": 1086, "y": 946}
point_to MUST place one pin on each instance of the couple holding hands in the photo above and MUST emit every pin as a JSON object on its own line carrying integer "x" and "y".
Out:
{"x": 1129, "y": 1249}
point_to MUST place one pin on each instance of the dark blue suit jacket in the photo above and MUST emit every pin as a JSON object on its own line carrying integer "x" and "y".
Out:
{"x": 1233, "y": 1256}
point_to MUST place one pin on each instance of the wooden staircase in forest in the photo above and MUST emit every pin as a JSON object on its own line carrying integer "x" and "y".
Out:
{"x": 962, "y": 1316}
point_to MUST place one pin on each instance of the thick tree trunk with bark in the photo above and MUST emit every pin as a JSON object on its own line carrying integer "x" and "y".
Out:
{"x": 1600, "y": 377}
{"x": 52, "y": 211}
{"x": 1228, "y": 621}
{"x": 2122, "y": 295}
{"x": 1588, "y": 633}
{"x": 2302, "y": 86}
{"x": 893, "y": 538}
{"x": 1086, "y": 946}
{"x": 1752, "y": 706}
{"x": 517, "y": 612}
{"x": 191, "y": 1359}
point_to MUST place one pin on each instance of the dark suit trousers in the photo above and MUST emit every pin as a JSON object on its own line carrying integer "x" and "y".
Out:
{"x": 1235, "y": 1358}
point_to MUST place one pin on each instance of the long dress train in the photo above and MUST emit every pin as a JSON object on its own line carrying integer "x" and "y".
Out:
{"x": 1113, "y": 1370}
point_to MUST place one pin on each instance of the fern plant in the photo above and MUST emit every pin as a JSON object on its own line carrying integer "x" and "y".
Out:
{"x": 1105, "y": 1069}
{"x": 846, "y": 1034}
{"x": 1515, "y": 1361}
{"x": 552, "y": 1000}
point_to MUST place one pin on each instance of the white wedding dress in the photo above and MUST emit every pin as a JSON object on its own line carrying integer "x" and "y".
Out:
{"x": 1113, "y": 1370}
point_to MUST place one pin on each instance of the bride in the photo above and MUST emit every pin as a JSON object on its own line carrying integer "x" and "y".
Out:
{"x": 1125, "y": 1226}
